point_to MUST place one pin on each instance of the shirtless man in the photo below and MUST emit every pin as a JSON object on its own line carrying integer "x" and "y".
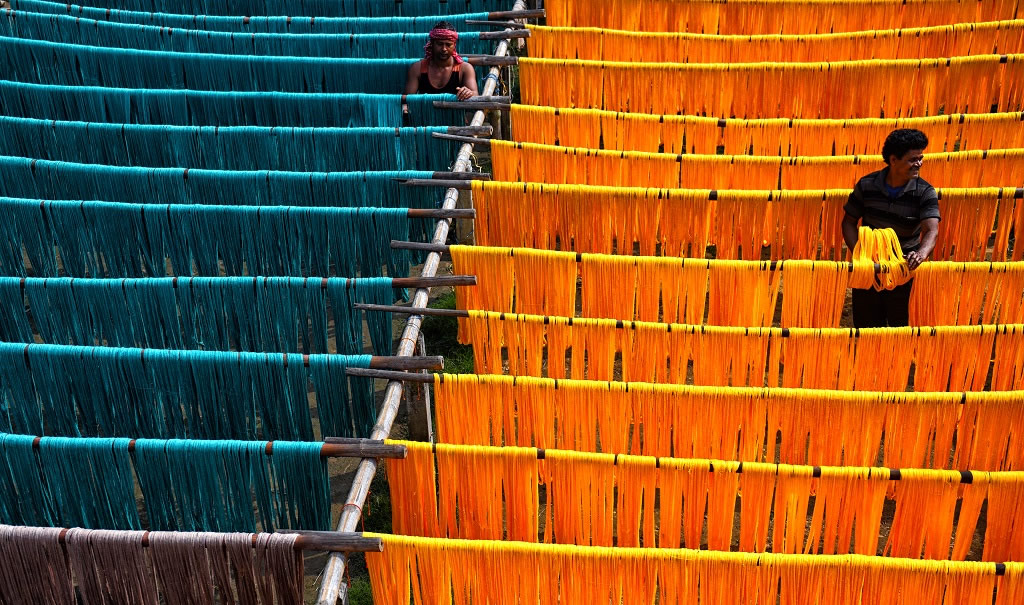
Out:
{"x": 442, "y": 70}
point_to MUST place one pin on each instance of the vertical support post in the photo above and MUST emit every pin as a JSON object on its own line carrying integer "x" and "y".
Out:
{"x": 332, "y": 586}
{"x": 418, "y": 411}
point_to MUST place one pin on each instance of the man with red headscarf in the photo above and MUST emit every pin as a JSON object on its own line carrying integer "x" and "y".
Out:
{"x": 442, "y": 70}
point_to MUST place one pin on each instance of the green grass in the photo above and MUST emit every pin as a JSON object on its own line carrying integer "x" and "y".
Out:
{"x": 359, "y": 592}
{"x": 441, "y": 334}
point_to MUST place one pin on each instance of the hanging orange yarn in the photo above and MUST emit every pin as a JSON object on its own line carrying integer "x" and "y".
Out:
{"x": 753, "y": 17}
{"x": 745, "y": 90}
{"x": 729, "y": 356}
{"x": 441, "y": 571}
{"x": 610, "y": 500}
{"x": 671, "y": 47}
{"x": 599, "y": 129}
{"x": 815, "y": 427}
{"x": 586, "y": 218}
{"x": 553, "y": 164}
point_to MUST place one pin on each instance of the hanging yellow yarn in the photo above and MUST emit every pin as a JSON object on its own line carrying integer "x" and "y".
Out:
{"x": 785, "y": 16}
{"x": 578, "y": 165}
{"x": 594, "y": 44}
{"x": 878, "y": 247}
{"x": 802, "y": 224}
{"x": 946, "y": 357}
{"x": 745, "y": 90}
{"x": 492, "y": 493}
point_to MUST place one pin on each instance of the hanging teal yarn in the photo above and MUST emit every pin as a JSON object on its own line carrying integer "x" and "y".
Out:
{"x": 234, "y": 148}
{"x": 79, "y": 482}
{"x": 79, "y": 65}
{"x": 259, "y": 314}
{"x": 46, "y": 179}
{"x": 193, "y": 485}
{"x": 317, "y": 8}
{"x": 104, "y": 239}
{"x": 259, "y": 24}
{"x": 347, "y": 324}
{"x": 186, "y": 485}
{"x": 302, "y": 489}
{"x": 78, "y": 30}
{"x": 91, "y": 482}
{"x": 115, "y": 391}
{"x": 14, "y": 321}
{"x": 218, "y": 108}
{"x": 336, "y": 419}
{"x": 24, "y": 497}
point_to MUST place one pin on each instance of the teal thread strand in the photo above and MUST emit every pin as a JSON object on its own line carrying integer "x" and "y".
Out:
{"x": 111, "y": 391}
{"x": 219, "y": 108}
{"x": 257, "y": 23}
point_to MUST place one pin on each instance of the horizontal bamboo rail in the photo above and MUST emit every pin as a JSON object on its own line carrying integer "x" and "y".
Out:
{"x": 503, "y": 24}
{"x": 391, "y": 375}
{"x": 505, "y": 35}
{"x": 333, "y": 447}
{"x": 461, "y": 139}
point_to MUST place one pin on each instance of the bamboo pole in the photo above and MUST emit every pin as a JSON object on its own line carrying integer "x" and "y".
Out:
{"x": 442, "y": 212}
{"x": 491, "y": 60}
{"x": 447, "y": 184}
{"x": 451, "y": 176}
{"x": 458, "y": 174}
{"x": 331, "y": 587}
{"x": 333, "y": 447}
{"x": 478, "y": 99}
{"x": 470, "y": 104}
{"x": 389, "y": 375}
{"x": 406, "y": 362}
{"x": 305, "y": 540}
{"x": 333, "y": 541}
{"x": 535, "y": 13}
{"x": 423, "y": 247}
{"x": 505, "y": 35}
{"x": 411, "y": 310}
{"x": 433, "y": 282}
{"x": 363, "y": 448}
{"x": 485, "y": 129}
{"x": 457, "y": 138}
{"x": 488, "y": 23}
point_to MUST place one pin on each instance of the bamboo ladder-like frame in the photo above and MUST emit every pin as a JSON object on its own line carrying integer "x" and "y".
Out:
{"x": 332, "y": 587}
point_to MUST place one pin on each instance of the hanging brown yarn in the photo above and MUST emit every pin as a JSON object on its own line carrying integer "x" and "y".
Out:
{"x": 110, "y": 566}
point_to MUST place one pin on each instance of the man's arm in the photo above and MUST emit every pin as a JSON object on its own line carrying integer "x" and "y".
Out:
{"x": 929, "y": 233}
{"x": 854, "y": 209}
{"x": 850, "y": 231}
{"x": 412, "y": 79}
{"x": 412, "y": 84}
{"x": 468, "y": 88}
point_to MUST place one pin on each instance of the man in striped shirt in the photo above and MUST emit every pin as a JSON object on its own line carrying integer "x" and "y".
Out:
{"x": 896, "y": 198}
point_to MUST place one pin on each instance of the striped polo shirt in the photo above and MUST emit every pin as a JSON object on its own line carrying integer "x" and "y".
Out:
{"x": 870, "y": 201}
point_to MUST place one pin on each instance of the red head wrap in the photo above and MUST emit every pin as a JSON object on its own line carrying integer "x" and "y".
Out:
{"x": 447, "y": 35}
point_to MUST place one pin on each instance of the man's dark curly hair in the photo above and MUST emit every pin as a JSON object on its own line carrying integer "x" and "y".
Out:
{"x": 443, "y": 25}
{"x": 900, "y": 141}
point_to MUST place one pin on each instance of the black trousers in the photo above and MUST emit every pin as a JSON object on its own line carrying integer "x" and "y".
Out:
{"x": 888, "y": 308}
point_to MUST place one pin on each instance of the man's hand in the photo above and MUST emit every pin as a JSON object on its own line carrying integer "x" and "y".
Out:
{"x": 463, "y": 93}
{"x": 914, "y": 259}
